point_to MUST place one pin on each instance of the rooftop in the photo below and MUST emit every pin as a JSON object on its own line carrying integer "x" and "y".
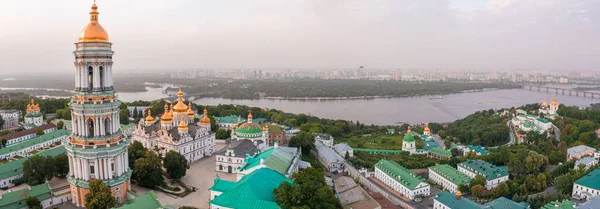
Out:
{"x": 34, "y": 141}
{"x": 273, "y": 158}
{"x": 577, "y": 149}
{"x": 240, "y": 148}
{"x": 565, "y": 204}
{"x": 329, "y": 155}
{"x": 452, "y": 202}
{"x": 146, "y": 201}
{"x": 440, "y": 152}
{"x": 275, "y": 129}
{"x": 451, "y": 174}
{"x": 342, "y": 147}
{"x": 27, "y": 132}
{"x": 590, "y": 180}
{"x": 15, "y": 167}
{"x": 16, "y": 199}
{"x": 485, "y": 169}
{"x": 229, "y": 119}
{"x": 253, "y": 191}
{"x": 399, "y": 173}
{"x": 353, "y": 196}
{"x": 478, "y": 149}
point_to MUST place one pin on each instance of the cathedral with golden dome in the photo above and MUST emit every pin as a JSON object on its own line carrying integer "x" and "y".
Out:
{"x": 97, "y": 147}
{"x": 33, "y": 115}
{"x": 177, "y": 130}
{"x": 251, "y": 131}
{"x": 549, "y": 109}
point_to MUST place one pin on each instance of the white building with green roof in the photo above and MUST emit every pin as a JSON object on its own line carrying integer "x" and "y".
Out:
{"x": 448, "y": 177}
{"x": 408, "y": 143}
{"x": 253, "y": 191}
{"x": 400, "y": 179}
{"x": 493, "y": 174}
{"x": 588, "y": 186}
{"x": 16, "y": 199}
{"x": 33, "y": 115}
{"x": 23, "y": 148}
{"x": 277, "y": 158}
{"x": 529, "y": 123}
{"x": 12, "y": 172}
{"x": 146, "y": 201}
{"x": 446, "y": 200}
{"x": 251, "y": 131}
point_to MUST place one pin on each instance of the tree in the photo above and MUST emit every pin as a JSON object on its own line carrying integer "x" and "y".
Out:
{"x": 135, "y": 113}
{"x": 147, "y": 171}
{"x": 447, "y": 143}
{"x": 478, "y": 180}
{"x": 99, "y": 196}
{"x": 176, "y": 164}
{"x": 124, "y": 116}
{"x": 61, "y": 163}
{"x": 136, "y": 150}
{"x": 309, "y": 191}
{"x": 39, "y": 132}
{"x": 38, "y": 169}
{"x": 347, "y": 155}
{"x": 33, "y": 203}
{"x": 477, "y": 190}
{"x": 502, "y": 189}
{"x": 223, "y": 134}
{"x": 464, "y": 188}
{"x": 60, "y": 124}
{"x": 303, "y": 140}
{"x": 4, "y": 141}
{"x": 1, "y": 122}
{"x": 564, "y": 184}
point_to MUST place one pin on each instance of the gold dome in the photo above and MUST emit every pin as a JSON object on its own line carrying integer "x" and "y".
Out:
{"x": 554, "y": 103}
{"x": 190, "y": 111}
{"x": 166, "y": 118}
{"x": 544, "y": 103}
{"x": 205, "y": 119}
{"x": 171, "y": 111}
{"x": 180, "y": 107}
{"x": 426, "y": 129}
{"x": 149, "y": 118}
{"x": 182, "y": 125}
{"x": 408, "y": 132}
{"x": 93, "y": 32}
{"x": 265, "y": 128}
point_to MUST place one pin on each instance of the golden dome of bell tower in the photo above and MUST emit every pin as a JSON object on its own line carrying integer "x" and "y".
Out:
{"x": 93, "y": 32}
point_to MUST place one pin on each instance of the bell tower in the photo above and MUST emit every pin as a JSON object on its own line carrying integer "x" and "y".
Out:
{"x": 96, "y": 148}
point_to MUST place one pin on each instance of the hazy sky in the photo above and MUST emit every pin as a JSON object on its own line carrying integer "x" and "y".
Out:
{"x": 38, "y": 35}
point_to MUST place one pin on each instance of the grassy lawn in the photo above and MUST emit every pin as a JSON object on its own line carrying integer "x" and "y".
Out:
{"x": 367, "y": 160}
{"x": 378, "y": 141}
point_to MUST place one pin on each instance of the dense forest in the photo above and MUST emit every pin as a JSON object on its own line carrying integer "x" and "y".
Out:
{"x": 480, "y": 128}
{"x": 251, "y": 89}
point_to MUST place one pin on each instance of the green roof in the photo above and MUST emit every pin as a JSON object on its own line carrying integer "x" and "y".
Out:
{"x": 377, "y": 151}
{"x": 590, "y": 180}
{"x": 478, "y": 149}
{"x": 253, "y": 191}
{"x": 274, "y": 158}
{"x": 249, "y": 128}
{"x": 15, "y": 167}
{"x": 66, "y": 122}
{"x": 503, "y": 203}
{"x": 409, "y": 138}
{"x": 229, "y": 119}
{"x": 275, "y": 129}
{"x": 221, "y": 185}
{"x": 33, "y": 115}
{"x": 485, "y": 169}
{"x": 451, "y": 174}
{"x": 399, "y": 173}
{"x": 440, "y": 152}
{"x": 146, "y": 201}
{"x": 565, "y": 204}
{"x": 16, "y": 199}
{"x": 34, "y": 141}
{"x": 259, "y": 120}
{"x": 450, "y": 200}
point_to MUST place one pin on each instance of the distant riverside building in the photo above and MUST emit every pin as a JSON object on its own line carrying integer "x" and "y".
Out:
{"x": 446, "y": 200}
{"x": 578, "y": 152}
{"x": 588, "y": 186}
{"x": 251, "y": 131}
{"x": 232, "y": 158}
{"x": 494, "y": 175}
{"x": 448, "y": 177}
{"x": 587, "y": 162}
{"x": 400, "y": 179}
{"x": 33, "y": 116}
{"x": 325, "y": 139}
{"x": 252, "y": 191}
{"x": 408, "y": 143}
{"x": 14, "y": 138}
{"x": 478, "y": 150}
{"x": 527, "y": 123}
{"x": 549, "y": 109}
{"x": 11, "y": 119}
{"x": 343, "y": 148}
{"x": 176, "y": 130}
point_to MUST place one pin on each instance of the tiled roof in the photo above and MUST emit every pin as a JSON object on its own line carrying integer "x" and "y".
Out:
{"x": 565, "y": 204}
{"x": 590, "y": 180}
{"x": 253, "y": 191}
{"x": 146, "y": 201}
{"x": 240, "y": 148}
{"x": 485, "y": 169}
{"x": 275, "y": 129}
{"x": 329, "y": 155}
{"x": 399, "y": 173}
{"x": 27, "y": 132}
{"x": 16, "y": 199}
{"x": 440, "y": 152}
{"x": 503, "y": 203}
{"x": 342, "y": 147}
{"x": 15, "y": 167}
{"x": 34, "y": 141}
{"x": 478, "y": 149}
{"x": 451, "y": 174}
{"x": 274, "y": 158}
{"x": 450, "y": 200}
{"x": 229, "y": 119}
{"x": 249, "y": 128}
{"x": 577, "y": 149}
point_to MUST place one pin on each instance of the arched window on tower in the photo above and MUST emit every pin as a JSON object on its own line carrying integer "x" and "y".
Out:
{"x": 90, "y": 75}
{"x": 101, "y": 77}
{"x": 90, "y": 127}
{"x": 107, "y": 126}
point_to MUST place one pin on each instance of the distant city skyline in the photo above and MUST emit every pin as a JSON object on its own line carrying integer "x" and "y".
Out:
{"x": 557, "y": 35}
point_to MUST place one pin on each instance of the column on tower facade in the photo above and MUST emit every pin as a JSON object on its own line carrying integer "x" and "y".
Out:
{"x": 78, "y": 167}
{"x": 96, "y": 77}
{"x": 85, "y": 76}
{"x": 70, "y": 166}
{"x": 96, "y": 173}
{"x": 86, "y": 168}
{"x": 76, "y": 76}
{"x": 106, "y": 176}
{"x": 118, "y": 164}
{"x": 110, "y": 167}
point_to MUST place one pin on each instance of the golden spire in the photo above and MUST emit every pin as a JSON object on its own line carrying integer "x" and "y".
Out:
{"x": 149, "y": 118}
{"x": 93, "y": 32}
{"x": 190, "y": 111}
{"x": 182, "y": 125}
{"x": 408, "y": 132}
{"x": 265, "y": 128}
{"x": 249, "y": 116}
{"x": 205, "y": 119}
{"x": 171, "y": 110}
{"x": 554, "y": 102}
{"x": 180, "y": 107}
{"x": 426, "y": 129}
{"x": 166, "y": 118}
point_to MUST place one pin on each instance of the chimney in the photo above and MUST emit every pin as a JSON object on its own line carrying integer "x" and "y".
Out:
{"x": 458, "y": 194}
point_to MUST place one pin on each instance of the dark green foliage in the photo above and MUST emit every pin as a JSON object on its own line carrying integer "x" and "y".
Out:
{"x": 480, "y": 128}
{"x": 124, "y": 116}
{"x": 478, "y": 180}
{"x": 38, "y": 169}
{"x": 60, "y": 125}
{"x": 176, "y": 164}
{"x": 366, "y": 160}
{"x": 39, "y": 132}
{"x": 136, "y": 150}
{"x": 99, "y": 196}
{"x": 223, "y": 134}
{"x": 64, "y": 113}
{"x": 303, "y": 140}
{"x": 61, "y": 163}
{"x": 1, "y": 122}
{"x": 33, "y": 203}
{"x": 147, "y": 171}
{"x": 309, "y": 191}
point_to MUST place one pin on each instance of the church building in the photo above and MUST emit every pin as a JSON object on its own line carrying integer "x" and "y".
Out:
{"x": 251, "y": 131}
{"x": 33, "y": 115}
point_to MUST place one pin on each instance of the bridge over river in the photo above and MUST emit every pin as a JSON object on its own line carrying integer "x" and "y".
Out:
{"x": 563, "y": 91}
